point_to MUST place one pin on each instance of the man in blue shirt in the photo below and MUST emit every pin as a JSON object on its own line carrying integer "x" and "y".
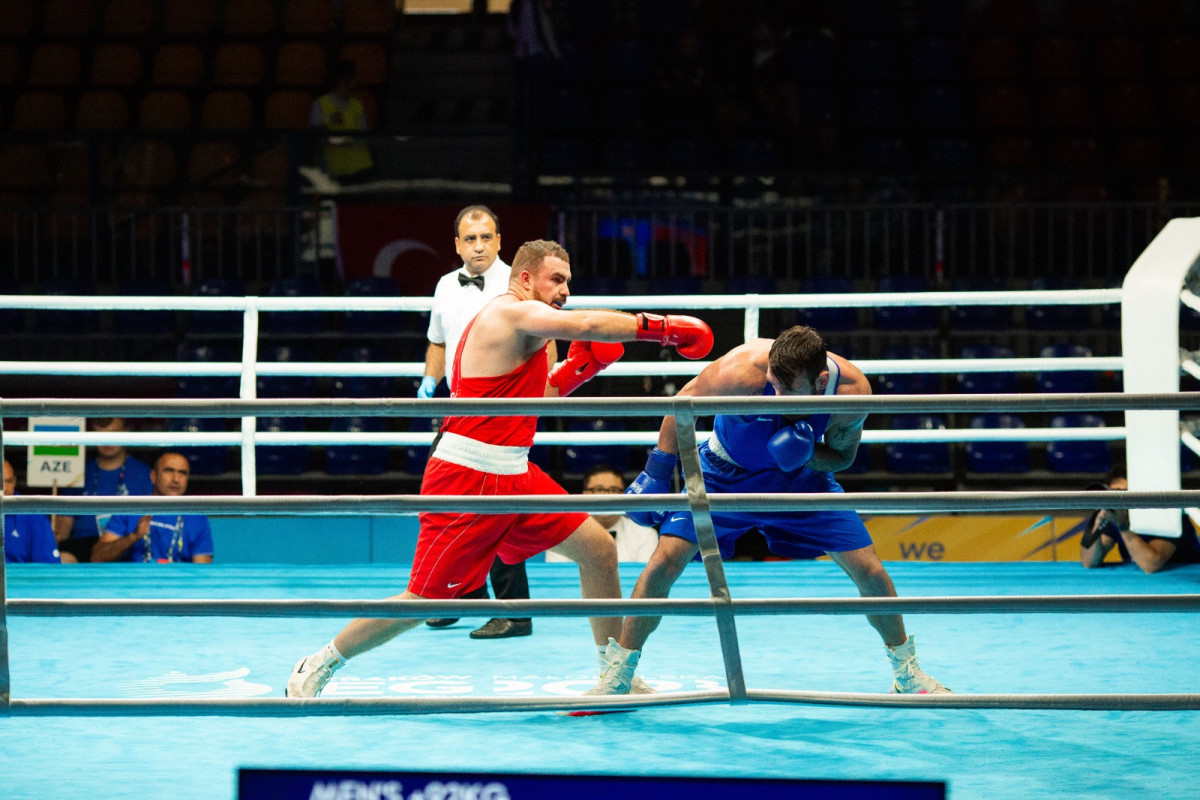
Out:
{"x": 27, "y": 537}
{"x": 160, "y": 538}
{"x": 113, "y": 472}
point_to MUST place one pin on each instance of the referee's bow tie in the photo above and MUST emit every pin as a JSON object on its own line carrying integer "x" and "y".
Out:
{"x": 464, "y": 279}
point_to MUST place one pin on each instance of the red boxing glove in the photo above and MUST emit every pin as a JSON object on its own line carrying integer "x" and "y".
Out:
{"x": 584, "y": 360}
{"x": 690, "y": 336}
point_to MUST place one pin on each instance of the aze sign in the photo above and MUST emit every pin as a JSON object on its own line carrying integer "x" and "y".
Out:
{"x": 55, "y": 465}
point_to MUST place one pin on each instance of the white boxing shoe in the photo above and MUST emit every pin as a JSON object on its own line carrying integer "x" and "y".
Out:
{"x": 908, "y": 677}
{"x": 616, "y": 672}
{"x": 311, "y": 673}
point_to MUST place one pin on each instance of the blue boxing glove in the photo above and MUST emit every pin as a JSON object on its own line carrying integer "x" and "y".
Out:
{"x": 655, "y": 479}
{"x": 793, "y": 446}
{"x": 428, "y": 386}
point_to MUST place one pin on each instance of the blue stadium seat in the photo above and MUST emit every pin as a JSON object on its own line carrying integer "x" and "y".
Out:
{"x": 369, "y": 322}
{"x": 281, "y": 459}
{"x": 11, "y": 319}
{"x": 201, "y": 460}
{"x": 363, "y": 386}
{"x": 155, "y": 323}
{"x": 922, "y": 457}
{"x": 1072, "y": 382}
{"x": 285, "y": 385}
{"x": 1005, "y": 382}
{"x": 909, "y": 383}
{"x": 829, "y": 319}
{"x": 876, "y": 107}
{"x": 949, "y": 153}
{"x": 1008, "y": 457}
{"x": 218, "y": 321}
{"x": 201, "y": 386}
{"x": 294, "y": 321}
{"x": 1057, "y": 318}
{"x": 356, "y": 459}
{"x": 76, "y": 322}
{"x": 935, "y": 58}
{"x": 904, "y": 318}
{"x": 417, "y": 456}
{"x": 1092, "y": 457}
{"x": 581, "y": 458}
{"x": 980, "y": 318}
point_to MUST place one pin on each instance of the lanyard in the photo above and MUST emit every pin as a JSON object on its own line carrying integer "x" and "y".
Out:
{"x": 174, "y": 548}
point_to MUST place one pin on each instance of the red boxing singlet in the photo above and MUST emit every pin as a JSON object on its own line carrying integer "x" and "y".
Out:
{"x": 528, "y": 380}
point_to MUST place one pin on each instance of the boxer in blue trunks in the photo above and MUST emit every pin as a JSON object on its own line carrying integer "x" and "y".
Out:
{"x": 768, "y": 453}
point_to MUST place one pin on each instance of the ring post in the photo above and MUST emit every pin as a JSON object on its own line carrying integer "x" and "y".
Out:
{"x": 5, "y": 685}
{"x": 1150, "y": 345}
{"x": 249, "y": 391}
{"x": 710, "y": 551}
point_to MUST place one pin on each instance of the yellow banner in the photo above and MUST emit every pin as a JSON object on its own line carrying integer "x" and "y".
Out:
{"x": 976, "y": 537}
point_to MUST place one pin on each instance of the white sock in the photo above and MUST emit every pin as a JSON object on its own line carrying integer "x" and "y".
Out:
{"x": 330, "y": 656}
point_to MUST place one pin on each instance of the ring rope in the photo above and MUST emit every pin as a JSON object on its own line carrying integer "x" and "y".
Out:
{"x": 405, "y": 504}
{"x": 400, "y": 609}
{"x": 590, "y": 406}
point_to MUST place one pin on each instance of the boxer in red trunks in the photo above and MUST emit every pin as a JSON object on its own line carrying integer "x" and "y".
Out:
{"x": 506, "y": 351}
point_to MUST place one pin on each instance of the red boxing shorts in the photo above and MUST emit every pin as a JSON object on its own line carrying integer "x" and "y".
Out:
{"x": 456, "y": 550}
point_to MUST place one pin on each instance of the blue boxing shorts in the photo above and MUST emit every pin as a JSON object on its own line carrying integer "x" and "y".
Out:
{"x": 791, "y": 534}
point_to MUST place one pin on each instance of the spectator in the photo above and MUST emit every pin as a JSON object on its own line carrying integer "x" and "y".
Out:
{"x": 346, "y": 157}
{"x": 634, "y": 542}
{"x": 457, "y": 298}
{"x": 159, "y": 537}
{"x": 112, "y": 472}
{"x": 27, "y": 537}
{"x": 1108, "y": 527}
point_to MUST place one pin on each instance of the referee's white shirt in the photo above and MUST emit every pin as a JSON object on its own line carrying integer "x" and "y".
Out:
{"x": 454, "y": 305}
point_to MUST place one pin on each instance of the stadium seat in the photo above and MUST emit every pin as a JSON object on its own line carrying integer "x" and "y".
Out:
{"x": 300, "y": 64}
{"x": 1057, "y": 58}
{"x": 188, "y": 17}
{"x": 287, "y": 109}
{"x": 253, "y": 17}
{"x": 356, "y": 459}
{"x": 369, "y": 17}
{"x": 294, "y": 321}
{"x": 77, "y": 322}
{"x": 207, "y": 386}
{"x": 202, "y": 460}
{"x": 1061, "y": 317}
{"x": 581, "y": 458}
{"x": 39, "y": 111}
{"x": 1006, "y": 457}
{"x": 935, "y": 58}
{"x": 1085, "y": 456}
{"x": 918, "y": 457}
{"x": 417, "y": 456}
{"x": 156, "y": 323}
{"x": 165, "y": 110}
{"x": 54, "y": 65}
{"x": 224, "y": 110}
{"x": 369, "y": 322}
{"x": 218, "y": 321}
{"x": 1069, "y": 382}
{"x": 67, "y": 17}
{"x": 281, "y": 459}
{"x": 829, "y": 319}
{"x": 363, "y": 386}
{"x": 370, "y": 62}
{"x": 308, "y": 17}
{"x": 1002, "y": 109}
{"x": 1005, "y": 382}
{"x": 179, "y": 64}
{"x": 103, "y": 110}
{"x": 239, "y": 64}
{"x": 904, "y": 318}
{"x": 116, "y": 65}
{"x": 273, "y": 386}
{"x": 906, "y": 382}
{"x": 129, "y": 17}
{"x": 979, "y": 318}
{"x": 995, "y": 58}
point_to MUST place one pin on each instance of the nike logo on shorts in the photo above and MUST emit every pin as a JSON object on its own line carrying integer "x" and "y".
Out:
{"x": 453, "y": 585}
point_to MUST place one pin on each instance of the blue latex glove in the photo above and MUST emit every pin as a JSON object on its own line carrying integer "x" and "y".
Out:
{"x": 428, "y": 385}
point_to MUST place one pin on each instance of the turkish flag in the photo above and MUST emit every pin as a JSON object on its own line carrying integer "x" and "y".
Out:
{"x": 414, "y": 245}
